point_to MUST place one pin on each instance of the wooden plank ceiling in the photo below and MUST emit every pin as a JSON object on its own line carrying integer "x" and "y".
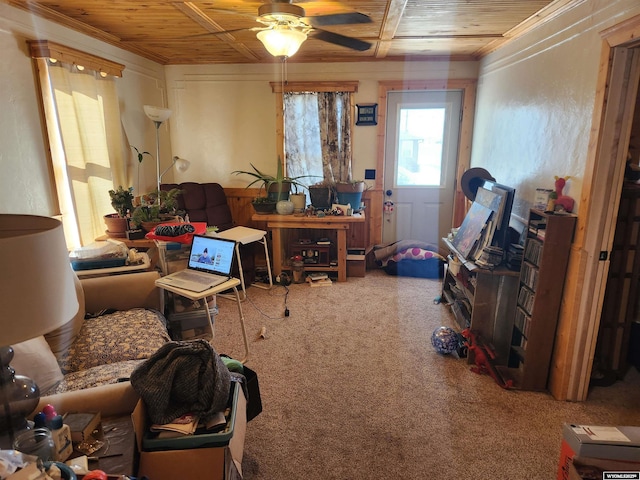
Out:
{"x": 172, "y": 32}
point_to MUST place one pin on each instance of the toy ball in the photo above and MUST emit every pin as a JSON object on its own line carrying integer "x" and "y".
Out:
{"x": 445, "y": 340}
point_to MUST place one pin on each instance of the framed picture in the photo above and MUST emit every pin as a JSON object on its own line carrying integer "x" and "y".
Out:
{"x": 367, "y": 114}
{"x": 541, "y": 199}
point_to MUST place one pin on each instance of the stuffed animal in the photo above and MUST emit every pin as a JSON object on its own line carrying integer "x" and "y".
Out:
{"x": 563, "y": 201}
{"x": 483, "y": 358}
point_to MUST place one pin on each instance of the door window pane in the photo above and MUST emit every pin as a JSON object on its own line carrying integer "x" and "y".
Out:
{"x": 420, "y": 140}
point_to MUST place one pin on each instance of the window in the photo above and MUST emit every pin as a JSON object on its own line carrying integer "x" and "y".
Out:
{"x": 88, "y": 147}
{"x": 316, "y": 124}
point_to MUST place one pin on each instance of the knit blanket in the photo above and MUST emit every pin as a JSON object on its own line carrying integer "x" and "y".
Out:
{"x": 183, "y": 377}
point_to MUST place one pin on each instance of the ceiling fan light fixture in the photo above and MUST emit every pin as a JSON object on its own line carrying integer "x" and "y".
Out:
{"x": 282, "y": 41}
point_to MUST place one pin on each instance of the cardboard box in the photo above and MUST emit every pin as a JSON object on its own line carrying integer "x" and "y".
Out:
{"x": 602, "y": 442}
{"x": 198, "y": 460}
{"x": 585, "y": 468}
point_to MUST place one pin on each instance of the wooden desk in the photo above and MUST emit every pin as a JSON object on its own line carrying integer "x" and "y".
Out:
{"x": 339, "y": 224}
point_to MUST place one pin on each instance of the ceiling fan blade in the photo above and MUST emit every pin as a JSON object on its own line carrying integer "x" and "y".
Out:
{"x": 338, "y": 19}
{"x": 337, "y": 39}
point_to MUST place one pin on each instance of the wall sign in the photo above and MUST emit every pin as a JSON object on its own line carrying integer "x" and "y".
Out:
{"x": 367, "y": 114}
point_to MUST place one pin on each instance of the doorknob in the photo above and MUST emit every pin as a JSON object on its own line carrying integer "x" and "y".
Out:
{"x": 388, "y": 193}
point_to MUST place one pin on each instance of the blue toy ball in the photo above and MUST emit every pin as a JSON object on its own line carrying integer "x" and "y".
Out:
{"x": 445, "y": 340}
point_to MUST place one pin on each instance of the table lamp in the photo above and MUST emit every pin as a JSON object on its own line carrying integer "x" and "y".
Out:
{"x": 37, "y": 295}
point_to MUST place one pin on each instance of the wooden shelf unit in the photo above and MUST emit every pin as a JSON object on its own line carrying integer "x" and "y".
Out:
{"x": 483, "y": 300}
{"x": 544, "y": 266}
{"x": 621, "y": 308}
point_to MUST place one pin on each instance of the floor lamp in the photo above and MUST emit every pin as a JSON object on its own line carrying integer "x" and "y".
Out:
{"x": 37, "y": 295}
{"x": 158, "y": 115}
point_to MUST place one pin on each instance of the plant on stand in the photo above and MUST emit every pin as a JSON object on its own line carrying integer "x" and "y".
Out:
{"x": 157, "y": 207}
{"x": 122, "y": 202}
{"x": 277, "y": 187}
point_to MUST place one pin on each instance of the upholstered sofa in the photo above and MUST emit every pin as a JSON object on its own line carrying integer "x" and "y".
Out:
{"x": 207, "y": 202}
{"x": 96, "y": 354}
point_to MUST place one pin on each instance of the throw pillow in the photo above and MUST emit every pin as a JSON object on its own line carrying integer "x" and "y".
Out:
{"x": 35, "y": 360}
{"x": 115, "y": 337}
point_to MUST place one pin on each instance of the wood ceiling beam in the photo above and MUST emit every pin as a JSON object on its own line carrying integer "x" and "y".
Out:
{"x": 192, "y": 11}
{"x": 391, "y": 21}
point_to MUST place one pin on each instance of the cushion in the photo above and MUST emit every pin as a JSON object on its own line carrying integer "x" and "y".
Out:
{"x": 124, "y": 335}
{"x": 416, "y": 253}
{"x": 35, "y": 360}
{"x": 95, "y": 377}
{"x": 61, "y": 339}
{"x": 407, "y": 267}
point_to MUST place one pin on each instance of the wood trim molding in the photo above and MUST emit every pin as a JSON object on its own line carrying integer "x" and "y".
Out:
{"x": 585, "y": 284}
{"x": 277, "y": 87}
{"x": 47, "y": 49}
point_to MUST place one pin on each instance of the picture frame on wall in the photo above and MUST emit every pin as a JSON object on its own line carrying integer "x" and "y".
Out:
{"x": 367, "y": 114}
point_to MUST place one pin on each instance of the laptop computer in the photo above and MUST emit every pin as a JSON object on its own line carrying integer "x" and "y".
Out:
{"x": 210, "y": 262}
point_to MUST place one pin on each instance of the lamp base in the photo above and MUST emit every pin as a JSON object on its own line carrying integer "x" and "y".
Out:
{"x": 19, "y": 396}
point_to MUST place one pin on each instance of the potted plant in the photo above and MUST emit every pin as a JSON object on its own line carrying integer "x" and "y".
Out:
{"x": 157, "y": 208}
{"x": 321, "y": 195}
{"x": 264, "y": 205}
{"x": 122, "y": 202}
{"x": 299, "y": 199}
{"x": 350, "y": 193}
{"x": 277, "y": 187}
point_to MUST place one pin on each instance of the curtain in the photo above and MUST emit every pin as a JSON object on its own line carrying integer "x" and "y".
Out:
{"x": 88, "y": 148}
{"x": 317, "y": 135}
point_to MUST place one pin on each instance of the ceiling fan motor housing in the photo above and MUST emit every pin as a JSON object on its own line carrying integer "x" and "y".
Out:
{"x": 276, "y": 11}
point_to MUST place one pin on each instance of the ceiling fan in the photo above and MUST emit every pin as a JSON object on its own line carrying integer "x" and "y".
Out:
{"x": 286, "y": 27}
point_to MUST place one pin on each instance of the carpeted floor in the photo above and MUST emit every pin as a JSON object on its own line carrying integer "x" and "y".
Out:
{"x": 352, "y": 389}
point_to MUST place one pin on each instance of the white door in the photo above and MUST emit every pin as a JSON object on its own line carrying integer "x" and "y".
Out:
{"x": 422, "y": 135}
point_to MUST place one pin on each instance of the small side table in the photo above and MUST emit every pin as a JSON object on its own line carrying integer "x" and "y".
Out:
{"x": 244, "y": 236}
{"x": 231, "y": 284}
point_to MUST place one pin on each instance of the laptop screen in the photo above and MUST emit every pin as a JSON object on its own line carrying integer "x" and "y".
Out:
{"x": 213, "y": 255}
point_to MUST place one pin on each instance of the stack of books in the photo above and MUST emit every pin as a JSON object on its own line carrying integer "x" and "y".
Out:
{"x": 319, "y": 279}
{"x": 514, "y": 256}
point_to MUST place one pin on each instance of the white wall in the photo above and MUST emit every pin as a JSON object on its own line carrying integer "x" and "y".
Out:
{"x": 536, "y": 99}
{"x": 25, "y": 185}
{"x": 225, "y": 115}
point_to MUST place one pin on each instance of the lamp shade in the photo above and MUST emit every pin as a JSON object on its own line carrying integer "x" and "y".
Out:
{"x": 157, "y": 114}
{"x": 37, "y": 285}
{"x": 282, "y": 41}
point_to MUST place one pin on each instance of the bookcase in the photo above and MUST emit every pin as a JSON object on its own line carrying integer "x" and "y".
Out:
{"x": 482, "y": 299}
{"x": 544, "y": 266}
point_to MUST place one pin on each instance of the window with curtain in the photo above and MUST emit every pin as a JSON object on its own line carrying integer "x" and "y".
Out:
{"x": 88, "y": 147}
{"x": 317, "y": 123}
